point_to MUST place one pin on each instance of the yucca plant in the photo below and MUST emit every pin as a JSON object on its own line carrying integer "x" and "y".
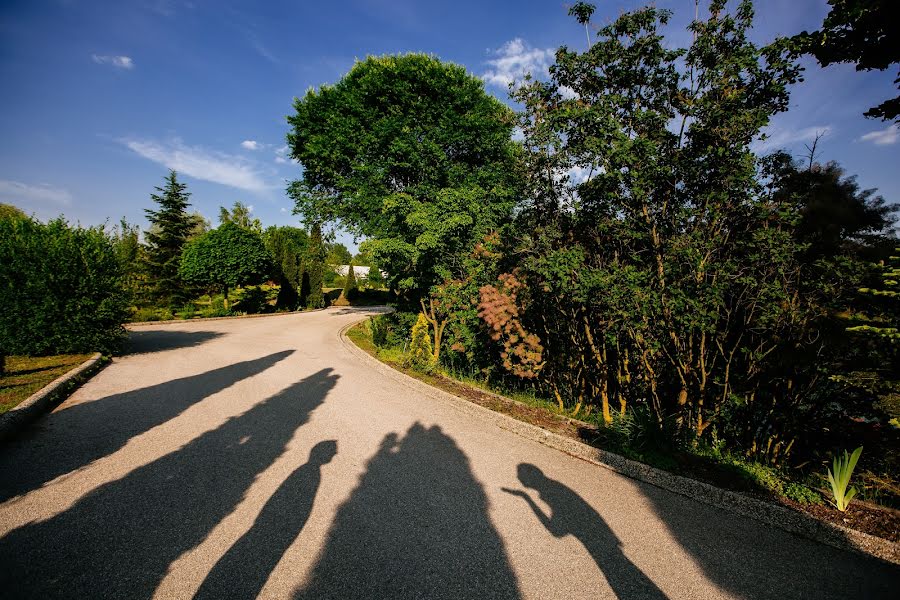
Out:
{"x": 840, "y": 479}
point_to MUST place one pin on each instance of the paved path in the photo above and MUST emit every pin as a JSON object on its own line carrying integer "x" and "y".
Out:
{"x": 237, "y": 458}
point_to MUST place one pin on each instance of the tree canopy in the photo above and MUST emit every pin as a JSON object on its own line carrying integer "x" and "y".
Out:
{"x": 170, "y": 228}
{"x": 241, "y": 215}
{"x": 410, "y": 152}
{"x": 864, "y": 33}
{"x": 226, "y": 257}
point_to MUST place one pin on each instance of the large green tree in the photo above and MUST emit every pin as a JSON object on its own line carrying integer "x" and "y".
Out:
{"x": 226, "y": 257}
{"x": 170, "y": 228}
{"x": 410, "y": 152}
{"x": 863, "y": 33}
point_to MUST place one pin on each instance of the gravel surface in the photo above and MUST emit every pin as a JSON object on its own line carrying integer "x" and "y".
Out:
{"x": 259, "y": 457}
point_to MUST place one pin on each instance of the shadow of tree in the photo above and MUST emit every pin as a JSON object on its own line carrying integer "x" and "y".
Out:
{"x": 155, "y": 340}
{"x": 416, "y": 526}
{"x": 119, "y": 540}
{"x": 86, "y": 432}
{"x": 244, "y": 569}
{"x": 571, "y": 515}
{"x": 753, "y": 560}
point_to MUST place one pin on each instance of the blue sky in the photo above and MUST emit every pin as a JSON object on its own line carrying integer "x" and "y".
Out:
{"x": 102, "y": 97}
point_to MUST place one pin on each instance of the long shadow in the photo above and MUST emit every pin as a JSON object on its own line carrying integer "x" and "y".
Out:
{"x": 416, "y": 526}
{"x": 244, "y": 569}
{"x": 119, "y": 540}
{"x": 86, "y": 432}
{"x": 571, "y": 515}
{"x": 142, "y": 342}
{"x": 752, "y": 560}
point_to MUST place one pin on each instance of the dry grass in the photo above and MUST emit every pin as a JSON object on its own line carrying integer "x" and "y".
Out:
{"x": 26, "y": 374}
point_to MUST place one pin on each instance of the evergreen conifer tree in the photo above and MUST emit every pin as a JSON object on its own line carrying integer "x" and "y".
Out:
{"x": 314, "y": 267}
{"x": 170, "y": 226}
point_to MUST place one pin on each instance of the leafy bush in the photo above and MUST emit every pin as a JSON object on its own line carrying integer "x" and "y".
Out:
{"x": 216, "y": 308}
{"x": 254, "y": 300}
{"x": 421, "y": 353}
{"x": 60, "y": 289}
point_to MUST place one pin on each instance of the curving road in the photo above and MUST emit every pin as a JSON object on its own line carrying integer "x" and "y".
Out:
{"x": 237, "y": 458}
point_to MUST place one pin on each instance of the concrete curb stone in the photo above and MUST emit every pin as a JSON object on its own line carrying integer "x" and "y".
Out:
{"x": 40, "y": 402}
{"x": 734, "y": 502}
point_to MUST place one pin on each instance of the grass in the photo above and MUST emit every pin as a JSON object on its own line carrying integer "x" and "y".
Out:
{"x": 27, "y": 374}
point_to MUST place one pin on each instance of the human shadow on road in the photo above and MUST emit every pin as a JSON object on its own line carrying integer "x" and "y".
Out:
{"x": 416, "y": 526}
{"x": 83, "y": 433}
{"x": 119, "y": 540}
{"x": 571, "y": 515}
{"x": 244, "y": 569}
{"x": 750, "y": 559}
{"x": 142, "y": 342}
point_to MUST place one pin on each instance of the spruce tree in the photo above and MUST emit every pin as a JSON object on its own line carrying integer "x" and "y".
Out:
{"x": 314, "y": 267}
{"x": 170, "y": 227}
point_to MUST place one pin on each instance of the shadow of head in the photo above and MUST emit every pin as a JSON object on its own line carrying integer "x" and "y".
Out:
{"x": 531, "y": 476}
{"x": 143, "y": 342}
{"x": 323, "y": 452}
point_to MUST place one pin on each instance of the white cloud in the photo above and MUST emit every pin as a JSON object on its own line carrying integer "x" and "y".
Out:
{"x": 120, "y": 62}
{"x": 780, "y": 138}
{"x": 282, "y": 158}
{"x": 884, "y": 137}
{"x": 218, "y": 167}
{"x": 16, "y": 192}
{"x": 514, "y": 60}
{"x": 250, "y": 144}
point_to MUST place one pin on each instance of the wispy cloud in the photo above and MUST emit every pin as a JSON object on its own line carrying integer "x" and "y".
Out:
{"x": 250, "y": 144}
{"x": 513, "y": 60}
{"x": 883, "y": 137}
{"x": 208, "y": 165}
{"x": 16, "y": 192}
{"x": 120, "y": 62}
{"x": 282, "y": 158}
{"x": 784, "y": 137}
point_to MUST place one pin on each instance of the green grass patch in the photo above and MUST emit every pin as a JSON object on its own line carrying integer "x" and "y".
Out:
{"x": 26, "y": 374}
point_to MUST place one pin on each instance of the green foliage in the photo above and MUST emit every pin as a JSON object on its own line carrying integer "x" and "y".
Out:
{"x": 240, "y": 215}
{"x": 287, "y": 247}
{"x": 351, "y": 288}
{"x": 801, "y": 493}
{"x": 375, "y": 279}
{"x": 861, "y": 32}
{"x": 338, "y": 255}
{"x": 253, "y": 301}
{"x": 314, "y": 269}
{"x": 411, "y": 153}
{"x": 60, "y": 289}
{"x": 8, "y": 211}
{"x": 228, "y": 256}
{"x": 392, "y": 330}
{"x": 420, "y": 355}
{"x": 839, "y": 479}
{"x": 170, "y": 228}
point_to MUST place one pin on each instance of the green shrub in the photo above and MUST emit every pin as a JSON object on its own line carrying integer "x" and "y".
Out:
{"x": 380, "y": 327}
{"x": 187, "y": 311}
{"x": 839, "y": 479}
{"x": 60, "y": 289}
{"x": 216, "y": 308}
{"x": 253, "y": 301}
{"x": 351, "y": 288}
{"x": 421, "y": 354}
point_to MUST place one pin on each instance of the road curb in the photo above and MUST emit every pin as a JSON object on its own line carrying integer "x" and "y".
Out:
{"x": 40, "y": 402}
{"x": 733, "y": 502}
{"x": 207, "y": 319}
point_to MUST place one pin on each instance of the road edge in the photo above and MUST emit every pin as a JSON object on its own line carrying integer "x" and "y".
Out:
{"x": 42, "y": 401}
{"x": 771, "y": 514}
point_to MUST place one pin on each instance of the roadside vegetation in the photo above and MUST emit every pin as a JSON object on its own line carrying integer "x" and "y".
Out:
{"x": 25, "y": 375}
{"x": 616, "y": 255}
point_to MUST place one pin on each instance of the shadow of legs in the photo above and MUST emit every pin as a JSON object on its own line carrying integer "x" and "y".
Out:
{"x": 244, "y": 569}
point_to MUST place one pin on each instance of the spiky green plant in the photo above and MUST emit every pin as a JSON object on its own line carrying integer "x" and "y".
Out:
{"x": 840, "y": 478}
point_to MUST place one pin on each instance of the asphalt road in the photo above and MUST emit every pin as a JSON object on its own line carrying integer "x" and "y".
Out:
{"x": 237, "y": 458}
